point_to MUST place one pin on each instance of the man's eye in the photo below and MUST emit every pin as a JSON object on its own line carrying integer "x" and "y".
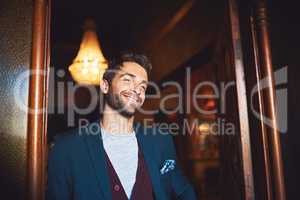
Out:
{"x": 126, "y": 79}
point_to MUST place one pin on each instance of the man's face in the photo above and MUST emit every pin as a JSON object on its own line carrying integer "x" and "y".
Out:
{"x": 127, "y": 90}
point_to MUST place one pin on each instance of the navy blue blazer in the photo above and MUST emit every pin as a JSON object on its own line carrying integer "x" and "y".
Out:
{"x": 77, "y": 168}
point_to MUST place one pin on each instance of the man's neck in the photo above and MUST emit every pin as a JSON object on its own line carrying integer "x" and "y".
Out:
{"x": 113, "y": 122}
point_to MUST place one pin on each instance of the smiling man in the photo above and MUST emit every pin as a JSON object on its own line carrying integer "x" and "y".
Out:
{"x": 117, "y": 159}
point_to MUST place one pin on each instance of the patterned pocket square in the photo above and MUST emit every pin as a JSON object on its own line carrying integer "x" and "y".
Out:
{"x": 167, "y": 166}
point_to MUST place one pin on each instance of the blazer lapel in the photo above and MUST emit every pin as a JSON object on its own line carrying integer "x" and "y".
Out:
{"x": 96, "y": 150}
{"x": 151, "y": 161}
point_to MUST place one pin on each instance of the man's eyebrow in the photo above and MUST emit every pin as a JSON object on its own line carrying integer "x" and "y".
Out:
{"x": 145, "y": 82}
{"x": 127, "y": 74}
{"x": 133, "y": 76}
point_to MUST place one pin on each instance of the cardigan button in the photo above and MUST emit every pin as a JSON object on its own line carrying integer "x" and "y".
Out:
{"x": 117, "y": 188}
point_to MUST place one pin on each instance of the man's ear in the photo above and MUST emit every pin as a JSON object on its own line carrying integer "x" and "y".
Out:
{"x": 104, "y": 86}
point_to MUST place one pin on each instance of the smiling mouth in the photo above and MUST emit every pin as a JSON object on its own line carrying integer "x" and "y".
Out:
{"x": 131, "y": 97}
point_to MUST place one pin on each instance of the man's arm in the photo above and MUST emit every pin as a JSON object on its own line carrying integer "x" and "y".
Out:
{"x": 181, "y": 187}
{"x": 58, "y": 187}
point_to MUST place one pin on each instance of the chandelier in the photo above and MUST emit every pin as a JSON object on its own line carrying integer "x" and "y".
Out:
{"x": 89, "y": 64}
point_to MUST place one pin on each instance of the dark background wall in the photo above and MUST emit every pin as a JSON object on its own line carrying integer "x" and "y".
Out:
{"x": 15, "y": 55}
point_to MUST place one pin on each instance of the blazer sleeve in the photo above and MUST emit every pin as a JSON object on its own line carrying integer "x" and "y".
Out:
{"x": 58, "y": 180}
{"x": 182, "y": 188}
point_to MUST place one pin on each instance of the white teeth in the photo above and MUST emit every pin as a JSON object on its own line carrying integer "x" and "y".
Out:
{"x": 130, "y": 97}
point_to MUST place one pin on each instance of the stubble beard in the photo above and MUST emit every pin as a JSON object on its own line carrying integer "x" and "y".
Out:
{"x": 115, "y": 102}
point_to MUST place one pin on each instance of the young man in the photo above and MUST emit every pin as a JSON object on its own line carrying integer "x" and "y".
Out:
{"x": 116, "y": 158}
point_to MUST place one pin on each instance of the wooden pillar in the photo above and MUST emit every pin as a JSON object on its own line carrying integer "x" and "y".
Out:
{"x": 37, "y": 112}
{"x": 264, "y": 58}
{"x": 263, "y": 132}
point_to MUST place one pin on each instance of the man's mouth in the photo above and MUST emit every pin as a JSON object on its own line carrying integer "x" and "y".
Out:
{"x": 131, "y": 96}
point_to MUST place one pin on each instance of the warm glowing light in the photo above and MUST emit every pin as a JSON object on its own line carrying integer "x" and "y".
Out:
{"x": 89, "y": 65}
{"x": 204, "y": 128}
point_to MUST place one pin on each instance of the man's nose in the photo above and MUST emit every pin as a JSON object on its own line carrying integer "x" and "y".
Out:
{"x": 136, "y": 89}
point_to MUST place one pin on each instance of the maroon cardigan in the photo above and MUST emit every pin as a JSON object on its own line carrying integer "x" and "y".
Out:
{"x": 142, "y": 188}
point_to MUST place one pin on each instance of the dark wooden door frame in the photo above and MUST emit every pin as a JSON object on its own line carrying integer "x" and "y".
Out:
{"x": 38, "y": 94}
{"x": 275, "y": 187}
{"x": 242, "y": 101}
{"x": 267, "y": 102}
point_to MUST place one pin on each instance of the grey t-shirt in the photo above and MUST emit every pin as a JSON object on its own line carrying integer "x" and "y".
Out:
{"x": 122, "y": 150}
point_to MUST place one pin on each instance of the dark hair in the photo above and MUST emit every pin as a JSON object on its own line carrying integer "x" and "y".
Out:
{"x": 117, "y": 63}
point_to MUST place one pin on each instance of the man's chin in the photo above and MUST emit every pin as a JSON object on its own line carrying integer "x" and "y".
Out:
{"x": 127, "y": 113}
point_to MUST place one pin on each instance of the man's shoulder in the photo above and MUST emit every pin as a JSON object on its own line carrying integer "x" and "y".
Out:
{"x": 67, "y": 139}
